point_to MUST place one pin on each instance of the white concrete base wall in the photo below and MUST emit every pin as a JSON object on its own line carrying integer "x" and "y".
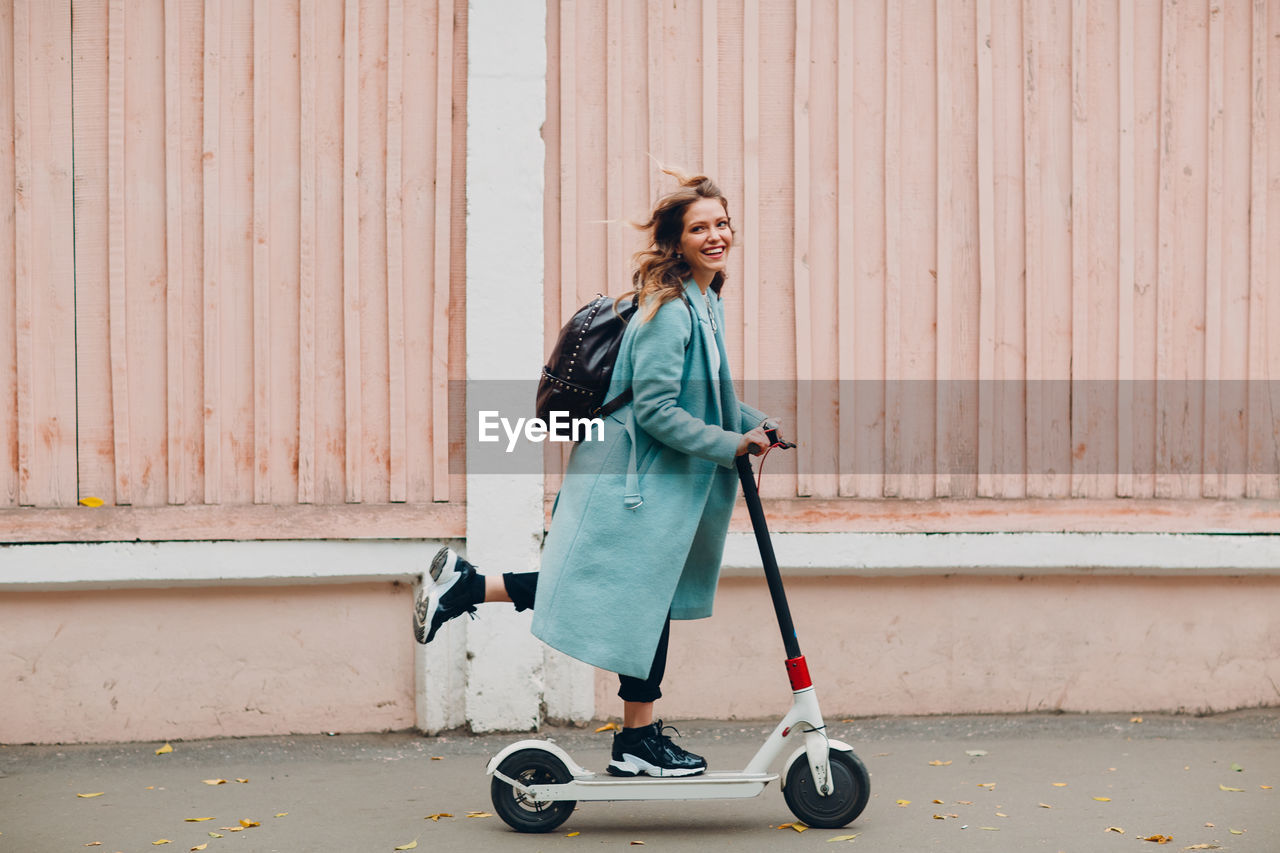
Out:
{"x": 975, "y": 644}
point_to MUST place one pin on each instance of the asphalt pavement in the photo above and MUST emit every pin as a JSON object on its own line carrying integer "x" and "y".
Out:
{"x": 1006, "y": 784}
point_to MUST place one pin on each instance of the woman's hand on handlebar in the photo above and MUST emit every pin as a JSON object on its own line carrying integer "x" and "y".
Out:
{"x": 754, "y": 442}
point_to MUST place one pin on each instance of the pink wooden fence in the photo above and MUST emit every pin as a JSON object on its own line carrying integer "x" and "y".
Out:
{"x": 254, "y": 307}
{"x": 986, "y": 249}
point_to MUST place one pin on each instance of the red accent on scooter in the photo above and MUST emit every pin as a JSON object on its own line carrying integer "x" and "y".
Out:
{"x": 798, "y": 672}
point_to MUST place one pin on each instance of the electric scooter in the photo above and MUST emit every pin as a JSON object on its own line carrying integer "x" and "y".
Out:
{"x": 536, "y": 784}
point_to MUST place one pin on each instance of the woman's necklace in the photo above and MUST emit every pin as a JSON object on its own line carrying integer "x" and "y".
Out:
{"x": 710, "y": 314}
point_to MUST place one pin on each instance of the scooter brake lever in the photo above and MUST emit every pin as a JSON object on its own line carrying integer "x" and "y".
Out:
{"x": 774, "y": 441}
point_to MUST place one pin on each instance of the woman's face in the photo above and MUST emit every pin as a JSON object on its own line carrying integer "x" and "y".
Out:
{"x": 706, "y": 239}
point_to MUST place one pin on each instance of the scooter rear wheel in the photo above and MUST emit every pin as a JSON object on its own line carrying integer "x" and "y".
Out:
{"x": 852, "y": 790}
{"x": 530, "y": 767}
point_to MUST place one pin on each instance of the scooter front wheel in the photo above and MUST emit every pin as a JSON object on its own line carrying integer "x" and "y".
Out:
{"x": 522, "y": 813}
{"x": 852, "y": 790}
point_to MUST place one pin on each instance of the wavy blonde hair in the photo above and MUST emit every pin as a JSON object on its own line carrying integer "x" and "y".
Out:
{"x": 659, "y": 270}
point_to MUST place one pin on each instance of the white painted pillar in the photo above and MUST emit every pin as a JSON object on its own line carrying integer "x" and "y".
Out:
{"x": 491, "y": 673}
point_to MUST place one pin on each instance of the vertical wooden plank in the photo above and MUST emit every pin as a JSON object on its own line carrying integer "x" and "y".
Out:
{"x": 893, "y": 252}
{"x": 710, "y": 89}
{"x": 751, "y": 305}
{"x": 945, "y": 268}
{"x": 1211, "y": 452}
{"x": 175, "y": 302}
{"x": 212, "y": 252}
{"x": 801, "y": 247}
{"x": 1004, "y": 275}
{"x": 988, "y": 286}
{"x": 95, "y": 438}
{"x": 23, "y": 249}
{"x": 308, "y": 163}
{"x": 1080, "y": 226}
{"x": 8, "y": 217}
{"x": 442, "y": 284}
{"x": 870, "y": 31}
{"x": 846, "y": 274}
{"x": 1033, "y": 201}
{"x": 351, "y": 250}
{"x": 615, "y": 145}
{"x": 654, "y": 10}
{"x": 569, "y": 226}
{"x": 398, "y": 403}
{"x": 1167, "y": 273}
{"x": 262, "y": 189}
{"x": 117, "y": 282}
{"x": 1125, "y": 344}
{"x": 1261, "y": 417}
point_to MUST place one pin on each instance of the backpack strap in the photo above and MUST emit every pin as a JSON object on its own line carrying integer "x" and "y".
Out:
{"x": 625, "y": 397}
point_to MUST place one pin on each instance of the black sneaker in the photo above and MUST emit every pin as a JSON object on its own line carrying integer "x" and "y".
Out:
{"x": 451, "y": 593}
{"x": 653, "y": 754}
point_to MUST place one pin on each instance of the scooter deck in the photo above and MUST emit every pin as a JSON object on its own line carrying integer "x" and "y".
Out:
{"x": 705, "y": 786}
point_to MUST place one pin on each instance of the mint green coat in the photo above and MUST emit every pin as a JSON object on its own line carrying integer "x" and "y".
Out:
{"x": 639, "y": 525}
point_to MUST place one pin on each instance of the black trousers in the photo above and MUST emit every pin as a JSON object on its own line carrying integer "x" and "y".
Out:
{"x": 523, "y": 587}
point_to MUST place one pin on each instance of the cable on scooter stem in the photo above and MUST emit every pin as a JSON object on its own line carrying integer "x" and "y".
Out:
{"x": 752, "y": 497}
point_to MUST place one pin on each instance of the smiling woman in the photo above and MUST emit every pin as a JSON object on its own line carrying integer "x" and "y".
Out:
{"x": 615, "y": 569}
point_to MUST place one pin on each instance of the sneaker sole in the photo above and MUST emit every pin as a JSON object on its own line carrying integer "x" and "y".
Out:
{"x": 630, "y": 765}
{"x": 443, "y": 574}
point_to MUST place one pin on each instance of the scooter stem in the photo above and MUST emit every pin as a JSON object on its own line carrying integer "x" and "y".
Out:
{"x": 780, "y": 607}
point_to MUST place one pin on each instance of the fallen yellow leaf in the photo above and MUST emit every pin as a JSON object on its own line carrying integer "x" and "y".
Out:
{"x": 1103, "y": 799}
{"x": 246, "y": 823}
{"x": 479, "y": 814}
{"x": 1225, "y": 788}
{"x": 1265, "y": 787}
{"x": 196, "y": 819}
{"x": 573, "y": 834}
{"x": 990, "y": 828}
{"x": 1115, "y": 829}
{"x": 412, "y": 845}
{"x": 637, "y": 843}
{"x": 904, "y": 803}
{"x": 799, "y": 827}
{"x": 91, "y": 501}
{"x": 609, "y": 727}
{"x": 938, "y": 817}
{"x": 243, "y": 781}
{"x": 1159, "y": 839}
{"x": 1236, "y": 831}
{"x": 216, "y": 835}
{"x": 1203, "y": 847}
{"x": 214, "y": 781}
{"x": 436, "y": 817}
{"x": 1059, "y": 784}
{"x": 1135, "y": 719}
{"x": 988, "y": 785}
{"x": 161, "y": 841}
{"x": 939, "y": 763}
{"x": 282, "y": 814}
{"x": 1045, "y": 806}
{"x": 843, "y": 837}
{"x": 91, "y": 796}
{"x": 164, "y": 750}
{"x": 90, "y": 844}
{"x": 437, "y": 758}
{"x": 1001, "y": 814}
{"x": 204, "y": 846}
